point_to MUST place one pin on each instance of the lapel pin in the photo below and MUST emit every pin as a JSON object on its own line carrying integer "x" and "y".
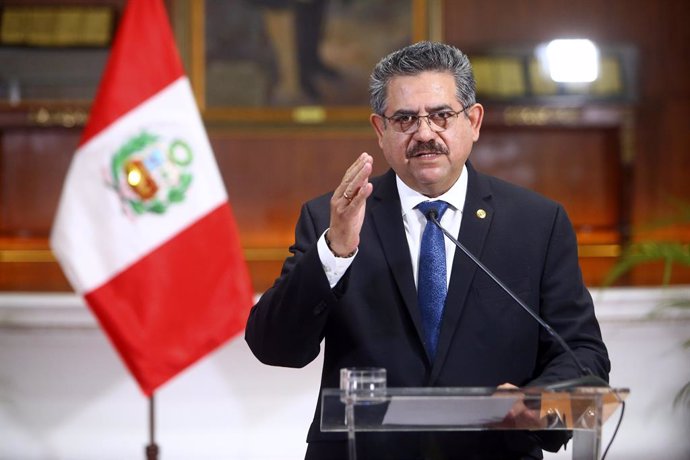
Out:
{"x": 481, "y": 213}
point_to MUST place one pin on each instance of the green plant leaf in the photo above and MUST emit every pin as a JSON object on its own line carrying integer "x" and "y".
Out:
{"x": 647, "y": 252}
{"x": 682, "y": 399}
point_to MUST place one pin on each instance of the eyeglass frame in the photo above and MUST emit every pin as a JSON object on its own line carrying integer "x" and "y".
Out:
{"x": 432, "y": 126}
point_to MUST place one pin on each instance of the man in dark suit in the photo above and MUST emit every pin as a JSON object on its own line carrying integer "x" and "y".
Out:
{"x": 360, "y": 258}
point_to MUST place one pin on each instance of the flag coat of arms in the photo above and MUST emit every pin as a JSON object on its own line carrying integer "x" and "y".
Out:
{"x": 144, "y": 230}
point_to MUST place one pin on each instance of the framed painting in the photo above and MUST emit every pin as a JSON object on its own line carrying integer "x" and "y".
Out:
{"x": 290, "y": 61}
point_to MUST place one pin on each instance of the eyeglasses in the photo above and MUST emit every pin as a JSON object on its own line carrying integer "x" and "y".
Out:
{"x": 437, "y": 121}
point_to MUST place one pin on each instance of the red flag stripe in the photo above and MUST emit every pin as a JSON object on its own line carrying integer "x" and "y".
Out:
{"x": 145, "y": 41}
{"x": 150, "y": 310}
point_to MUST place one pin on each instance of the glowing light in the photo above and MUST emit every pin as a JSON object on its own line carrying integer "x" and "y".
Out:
{"x": 571, "y": 60}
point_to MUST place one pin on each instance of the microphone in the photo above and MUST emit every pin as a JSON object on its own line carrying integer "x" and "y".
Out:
{"x": 587, "y": 377}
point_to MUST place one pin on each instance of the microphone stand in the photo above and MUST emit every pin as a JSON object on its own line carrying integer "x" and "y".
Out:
{"x": 587, "y": 378}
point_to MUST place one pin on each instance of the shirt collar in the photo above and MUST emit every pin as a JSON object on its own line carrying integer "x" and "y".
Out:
{"x": 455, "y": 196}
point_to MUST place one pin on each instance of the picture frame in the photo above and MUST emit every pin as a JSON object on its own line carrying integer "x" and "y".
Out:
{"x": 53, "y": 53}
{"x": 296, "y": 62}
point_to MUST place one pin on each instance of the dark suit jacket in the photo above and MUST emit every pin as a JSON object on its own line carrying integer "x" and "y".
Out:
{"x": 371, "y": 317}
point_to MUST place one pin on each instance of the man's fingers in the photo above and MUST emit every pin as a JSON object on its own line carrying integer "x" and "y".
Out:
{"x": 355, "y": 177}
{"x": 353, "y": 190}
{"x": 361, "y": 195}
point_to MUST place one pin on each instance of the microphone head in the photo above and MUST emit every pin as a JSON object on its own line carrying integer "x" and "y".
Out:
{"x": 432, "y": 214}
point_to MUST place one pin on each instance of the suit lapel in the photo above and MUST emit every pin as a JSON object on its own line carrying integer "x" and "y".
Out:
{"x": 387, "y": 217}
{"x": 473, "y": 231}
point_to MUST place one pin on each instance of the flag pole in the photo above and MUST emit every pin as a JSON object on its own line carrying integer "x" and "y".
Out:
{"x": 152, "y": 448}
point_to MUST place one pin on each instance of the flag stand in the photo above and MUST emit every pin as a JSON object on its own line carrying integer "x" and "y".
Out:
{"x": 152, "y": 448}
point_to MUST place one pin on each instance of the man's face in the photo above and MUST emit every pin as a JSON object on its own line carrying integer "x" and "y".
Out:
{"x": 427, "y": 161}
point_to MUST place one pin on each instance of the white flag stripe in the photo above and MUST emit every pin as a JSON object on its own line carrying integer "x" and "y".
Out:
{"x": 95, "y": 234}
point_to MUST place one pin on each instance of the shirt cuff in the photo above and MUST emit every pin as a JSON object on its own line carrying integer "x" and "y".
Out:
{"x": 334, "y": 267}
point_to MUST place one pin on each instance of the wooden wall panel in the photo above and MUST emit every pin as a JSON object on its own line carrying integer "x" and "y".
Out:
{"x": 269, "y": 176}
{"x": 580, "y": 168}
{"x": 33, "y": 164}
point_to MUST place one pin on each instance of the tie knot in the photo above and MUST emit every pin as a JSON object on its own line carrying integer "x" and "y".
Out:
{"x": 438, "y": 207}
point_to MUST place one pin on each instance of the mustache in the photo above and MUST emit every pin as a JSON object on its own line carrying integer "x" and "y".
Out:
{"x": 426, "y": 147}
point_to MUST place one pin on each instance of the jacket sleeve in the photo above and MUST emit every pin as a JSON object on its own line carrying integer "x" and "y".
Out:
{"x": 286, "y": 326}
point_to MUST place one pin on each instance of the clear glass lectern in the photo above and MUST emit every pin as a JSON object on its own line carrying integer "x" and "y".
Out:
{"x": 364, "y": 403}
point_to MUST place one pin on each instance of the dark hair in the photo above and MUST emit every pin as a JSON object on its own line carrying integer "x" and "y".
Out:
{"x": 422, "y": 57}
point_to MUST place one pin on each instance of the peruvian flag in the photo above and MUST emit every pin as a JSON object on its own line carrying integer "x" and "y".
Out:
{"x": 144, "y": 230}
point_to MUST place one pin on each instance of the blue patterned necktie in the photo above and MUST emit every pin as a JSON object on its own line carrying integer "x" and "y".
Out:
{"x": 431, "y": 280}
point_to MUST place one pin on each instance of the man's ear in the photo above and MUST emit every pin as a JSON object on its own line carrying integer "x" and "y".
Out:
{"x": 378, "y": 123}
{"x": 476, "y": 115}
